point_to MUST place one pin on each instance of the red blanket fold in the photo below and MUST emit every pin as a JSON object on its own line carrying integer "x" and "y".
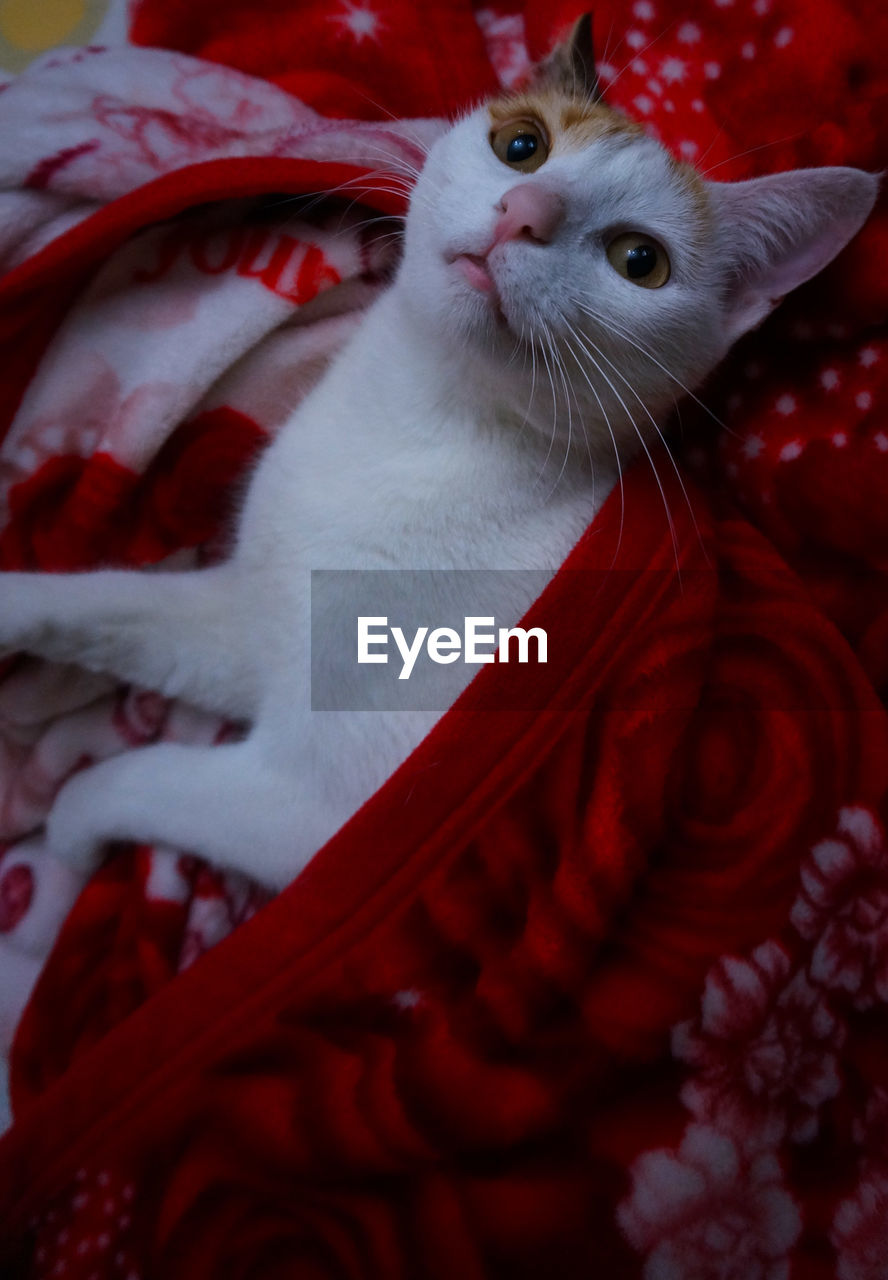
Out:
{"x": 597, "y": 990}
{"x": 441, "y": 1048}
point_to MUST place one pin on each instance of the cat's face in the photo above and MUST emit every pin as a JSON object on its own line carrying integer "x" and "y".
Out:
{"x": 553, "y": 223}
{"x": 554, "y": 242}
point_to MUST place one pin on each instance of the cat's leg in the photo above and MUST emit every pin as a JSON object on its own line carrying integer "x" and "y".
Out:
{"x": 183, "y": 634}
{"x": 224, "y": 803}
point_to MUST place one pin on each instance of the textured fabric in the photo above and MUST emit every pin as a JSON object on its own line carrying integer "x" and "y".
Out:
{"x": 168, "y": 373}
{"x": 594, "y": 991}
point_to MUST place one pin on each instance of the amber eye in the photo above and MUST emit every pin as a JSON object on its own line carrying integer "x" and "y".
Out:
{"x": 640, "y": 259}
{"x": 522, "y": 144}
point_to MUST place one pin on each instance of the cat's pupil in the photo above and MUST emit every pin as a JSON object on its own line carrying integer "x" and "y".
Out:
{"x": 640, "y": 261}
{"x": 521, "y": 148}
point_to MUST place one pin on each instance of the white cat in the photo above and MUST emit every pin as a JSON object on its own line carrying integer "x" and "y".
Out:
{"x": 563, "y": 278}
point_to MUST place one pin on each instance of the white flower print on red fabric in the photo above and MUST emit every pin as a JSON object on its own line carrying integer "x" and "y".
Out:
{"x": 710, "y": 1212}
{"x": 765, "y": 1048}
{"x": 843, "y": 909}
{"x": 860, "y": 1231}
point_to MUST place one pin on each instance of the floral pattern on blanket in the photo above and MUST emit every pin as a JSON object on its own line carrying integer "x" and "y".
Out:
{"x": 183, "y": 355}
{"x": 768, "y": 1052}
{"x": 240, "y": 306}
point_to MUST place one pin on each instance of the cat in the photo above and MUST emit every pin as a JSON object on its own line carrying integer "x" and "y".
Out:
{"x": 562, "y": 277}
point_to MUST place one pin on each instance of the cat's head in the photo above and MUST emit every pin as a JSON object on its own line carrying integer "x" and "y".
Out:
{"x": 548, "y": 230}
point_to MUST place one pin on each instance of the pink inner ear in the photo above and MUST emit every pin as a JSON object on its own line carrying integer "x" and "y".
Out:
{"x": 783, "y": 229}
{"x": 807, "y": 261}
{"x": 758, "y": 297}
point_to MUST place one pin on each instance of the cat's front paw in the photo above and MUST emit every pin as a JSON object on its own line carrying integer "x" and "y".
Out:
{"x": 73, "y": 828}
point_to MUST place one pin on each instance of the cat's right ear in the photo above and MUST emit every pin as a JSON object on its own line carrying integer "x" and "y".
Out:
{"x": 570, "y": 66}
{"x": 776, "y": 232}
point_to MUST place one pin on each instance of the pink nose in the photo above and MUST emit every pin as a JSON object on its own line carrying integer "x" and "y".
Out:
{"x": 528, "y": 210}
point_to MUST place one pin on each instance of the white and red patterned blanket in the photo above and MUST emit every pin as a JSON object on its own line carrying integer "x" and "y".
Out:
{"x": 187, "y": 350}
{"x": 609, "y": 997}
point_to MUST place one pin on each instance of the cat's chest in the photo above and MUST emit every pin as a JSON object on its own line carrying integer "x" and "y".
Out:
{"x": 389, "y": 495}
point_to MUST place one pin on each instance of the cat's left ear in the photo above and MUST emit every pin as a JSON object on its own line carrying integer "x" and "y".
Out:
{"x": 774, "y": 233}
{"x": 571, "y": 65}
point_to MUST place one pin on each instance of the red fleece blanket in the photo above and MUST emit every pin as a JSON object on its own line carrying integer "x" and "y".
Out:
{"x": 599, "y": 990}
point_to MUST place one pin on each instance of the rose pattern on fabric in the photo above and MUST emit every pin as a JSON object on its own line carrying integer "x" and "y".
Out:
{"x": 843, "y": 909}
{"x": 765, "y": 1048}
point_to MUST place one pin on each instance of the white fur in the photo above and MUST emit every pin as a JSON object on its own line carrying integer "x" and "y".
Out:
{"x": 439, "y": 438}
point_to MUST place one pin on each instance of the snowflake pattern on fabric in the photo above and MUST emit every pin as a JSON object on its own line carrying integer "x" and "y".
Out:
{"x": 88, "y": 1233}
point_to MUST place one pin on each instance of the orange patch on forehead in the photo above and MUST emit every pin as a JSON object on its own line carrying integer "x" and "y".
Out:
{"x": 694, "y": 186}
{"x": 573, "y": 122}
{"x": 570, "y": 122}
{"x": 582, "y": 123}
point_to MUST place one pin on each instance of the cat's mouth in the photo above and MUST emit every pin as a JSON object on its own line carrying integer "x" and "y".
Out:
{"x": 475, "y": 270}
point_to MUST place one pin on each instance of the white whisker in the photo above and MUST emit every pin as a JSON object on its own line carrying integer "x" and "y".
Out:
{"x": 608, "y": 323}
{"x": 559, "y": 364}
{"x": 554, "y": 402}
{"x": 639, "y": 53}
{"x": 790, "y": 137}
{"x": 583, "y": 346}
{"x": 613, "y": 439}
{"x": 387, "y": 183}
{"x": 386, "y": 111}
{"x": 659, "y": 432}
{"x": 533, "y": 377}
